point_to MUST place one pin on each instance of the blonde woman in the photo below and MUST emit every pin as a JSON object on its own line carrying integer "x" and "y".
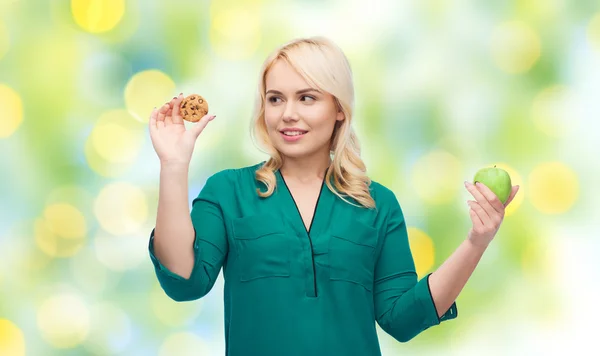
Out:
{"x": 313, "y": 252}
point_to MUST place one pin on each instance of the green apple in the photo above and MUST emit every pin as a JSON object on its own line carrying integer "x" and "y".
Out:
{"x": 497, "y": 179}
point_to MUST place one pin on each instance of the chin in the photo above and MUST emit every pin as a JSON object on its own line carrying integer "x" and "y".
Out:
{"x": 293, "y": 151}
{"x": 296, "y": 150}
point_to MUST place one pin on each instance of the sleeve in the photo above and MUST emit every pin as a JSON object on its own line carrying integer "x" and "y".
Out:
{"x": 404, "y": 306}
{"x": 210, "y": 248}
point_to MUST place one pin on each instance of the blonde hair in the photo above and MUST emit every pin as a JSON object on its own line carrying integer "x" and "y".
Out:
{"x": 324, "y": 66}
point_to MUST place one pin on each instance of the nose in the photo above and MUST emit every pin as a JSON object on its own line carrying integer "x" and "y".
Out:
{"x": 290, "y": 114}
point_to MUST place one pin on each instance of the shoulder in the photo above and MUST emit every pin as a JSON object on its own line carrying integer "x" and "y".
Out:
{"x": 233, "y": 176}
{"x": 228, "y": 185}
{"x": 381, "y": 193}
{"x": 385, "y": 198}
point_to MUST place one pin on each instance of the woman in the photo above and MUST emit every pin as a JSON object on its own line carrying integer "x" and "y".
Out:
{"x": 313, "y": 252}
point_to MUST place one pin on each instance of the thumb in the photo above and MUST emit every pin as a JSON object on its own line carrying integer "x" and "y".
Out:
{"x": 197, "y": 129}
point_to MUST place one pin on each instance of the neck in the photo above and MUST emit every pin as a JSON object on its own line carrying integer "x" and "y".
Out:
{"x": 306, "y": 169}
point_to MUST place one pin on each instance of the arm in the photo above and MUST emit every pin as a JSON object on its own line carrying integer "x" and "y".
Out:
{"x": 403, "y": 304}
{"x": 174, "y": 232}
{"x": 195, "y": 246}
{"x": 449, "y": 279}
{"x": 487, "y": 214}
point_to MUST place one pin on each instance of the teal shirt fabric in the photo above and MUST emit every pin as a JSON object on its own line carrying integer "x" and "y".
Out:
{"x": 289, "y": 291}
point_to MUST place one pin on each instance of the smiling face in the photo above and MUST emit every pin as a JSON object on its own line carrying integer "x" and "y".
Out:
{"x": 299, "y": 118}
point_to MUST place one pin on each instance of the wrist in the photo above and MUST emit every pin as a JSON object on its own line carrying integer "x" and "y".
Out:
{"x": 477, "y": 246}
{"x": 174, "y": 166}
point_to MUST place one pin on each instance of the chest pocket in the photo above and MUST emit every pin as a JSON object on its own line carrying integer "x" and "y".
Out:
{"x": 352, "y": 253}
{"x": 263, "y": 249}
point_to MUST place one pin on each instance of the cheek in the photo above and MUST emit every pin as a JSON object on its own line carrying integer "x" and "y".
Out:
{"x": 271, "y": 119}
{"x": 321, "y": 120}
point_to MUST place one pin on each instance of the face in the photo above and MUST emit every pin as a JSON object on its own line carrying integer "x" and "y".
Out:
{"x": 299, "y": 119}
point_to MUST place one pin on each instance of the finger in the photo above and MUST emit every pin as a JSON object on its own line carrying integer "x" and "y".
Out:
{"x": 177, "y": 119}
{"x": 491, "y": 197}
{"x": 200, "y": 125}
{"x": 168, "y": 115}
{"x": 170, "y": 103}
{"x": 162, "y": 112}
{"x": 152, "y": 121}
{"x": 481, "y": 213}
{"x": 480, "y": 198}
{"x": 514, "y": 191}
{"x": 477, "y": 224}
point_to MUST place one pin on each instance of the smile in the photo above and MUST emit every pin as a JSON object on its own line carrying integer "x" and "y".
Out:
{"x": 292, "y": 135}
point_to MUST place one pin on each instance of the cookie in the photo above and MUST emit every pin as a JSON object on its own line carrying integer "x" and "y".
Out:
{"x": 193, "y": 108}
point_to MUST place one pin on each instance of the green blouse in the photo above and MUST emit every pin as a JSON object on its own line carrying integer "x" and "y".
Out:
{"x": 289, "y": 291}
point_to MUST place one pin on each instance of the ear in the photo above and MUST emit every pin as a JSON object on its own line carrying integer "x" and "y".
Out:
{"x": 340, "y": 116}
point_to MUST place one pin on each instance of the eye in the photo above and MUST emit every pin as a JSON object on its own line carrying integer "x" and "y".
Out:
{"x": 309, "y": 97}
{"x": 273, "y": 99}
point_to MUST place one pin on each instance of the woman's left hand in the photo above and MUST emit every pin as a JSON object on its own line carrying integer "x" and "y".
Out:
{"x": 487, "y": 213}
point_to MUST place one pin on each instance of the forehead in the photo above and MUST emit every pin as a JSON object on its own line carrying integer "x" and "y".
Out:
{"x": 283, "y": 77}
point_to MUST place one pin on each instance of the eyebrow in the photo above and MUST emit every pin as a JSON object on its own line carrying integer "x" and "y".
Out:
{"x": 301, "y": 91}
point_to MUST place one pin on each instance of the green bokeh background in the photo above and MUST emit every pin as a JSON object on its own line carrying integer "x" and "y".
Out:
{"x": 443, "y": 88}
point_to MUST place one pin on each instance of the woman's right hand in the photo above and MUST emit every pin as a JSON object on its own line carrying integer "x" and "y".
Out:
{"x": 172, "y": 142}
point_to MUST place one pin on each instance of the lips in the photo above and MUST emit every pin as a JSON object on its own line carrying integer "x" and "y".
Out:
{"x": 294, "y": 133}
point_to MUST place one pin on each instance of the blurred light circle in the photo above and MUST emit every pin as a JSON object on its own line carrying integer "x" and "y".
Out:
{"x": 121, "y": 253}
{"x": 74, "y": 195}
{"x": 121, "y": 208}
{"x": 235, "y": 29}
{"x": 515, "y": 47}
{"x": 148, "y": 89}
{"x": 553, "y": 187}
{"x": 553, "y": 111}
{"x": 102, "y": 166}
{"x": 117, "y": 137}
{"x": 436, "y": 177}
{"x": 172, "y": 313}
{"x": 61, "y": 231}
{"x": 65, "y": 221}
{"x": 11, "y": 111}
{"x": 110, "y": 331}
{"x": 64, "y": 321}
{"x": 12, "y": 341}
{"x": 423, "y": 250}
{"x": 97, "y": 16}
{"x": 184, "y": 344}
